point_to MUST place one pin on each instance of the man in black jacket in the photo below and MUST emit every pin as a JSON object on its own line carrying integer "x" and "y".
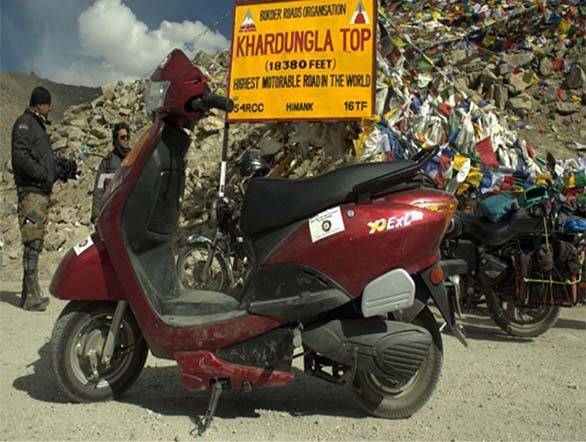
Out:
{"x": 109, "y": 165}
{"x": 36, "y": 168}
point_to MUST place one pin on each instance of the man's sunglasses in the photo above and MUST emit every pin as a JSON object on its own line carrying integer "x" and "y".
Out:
{"x": 123, "y": 137}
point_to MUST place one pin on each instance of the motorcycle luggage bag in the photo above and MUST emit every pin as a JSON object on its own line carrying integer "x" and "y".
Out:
{"x": 575, "y": 225}
{"x": 532, "y": 196}
{"x": 496, "y": 208}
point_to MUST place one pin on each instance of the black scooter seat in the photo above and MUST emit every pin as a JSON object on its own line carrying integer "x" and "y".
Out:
{"x": 518, "y": 225}
{"x": 271, "y": 203}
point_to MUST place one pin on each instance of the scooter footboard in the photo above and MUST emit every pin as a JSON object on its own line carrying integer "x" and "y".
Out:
{"x": 385, "y": 348}
{"x": 200, "y": 368}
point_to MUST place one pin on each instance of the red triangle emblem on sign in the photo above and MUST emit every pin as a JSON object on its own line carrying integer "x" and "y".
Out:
{"x": 360, "y": 17}
{"x": 248, "y": 23}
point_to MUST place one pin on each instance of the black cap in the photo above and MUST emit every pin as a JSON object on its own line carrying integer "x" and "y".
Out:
{"x": 40, "y": 95}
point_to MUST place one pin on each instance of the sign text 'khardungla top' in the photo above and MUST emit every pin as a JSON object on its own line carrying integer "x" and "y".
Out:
{"x": 303, "y": 60}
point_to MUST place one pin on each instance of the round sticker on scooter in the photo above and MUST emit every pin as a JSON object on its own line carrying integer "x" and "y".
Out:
{"x": 83, "y": 245}
{"x": 326, "y": 224}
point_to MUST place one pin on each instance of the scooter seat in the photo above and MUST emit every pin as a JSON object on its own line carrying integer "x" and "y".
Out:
{"x": 519, "y": 224}
{"x": 272, "y": 203}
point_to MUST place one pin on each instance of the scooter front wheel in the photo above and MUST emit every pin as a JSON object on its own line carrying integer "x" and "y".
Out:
{"x": 77, "y": 343}
{"x": 389, "y": 398}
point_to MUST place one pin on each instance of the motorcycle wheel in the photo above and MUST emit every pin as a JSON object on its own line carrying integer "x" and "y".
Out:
{"x": 385, "y": 397}
{"x": 76, "y": 347}
{"x": 518, "y": 321}
{"x": 190, "y": 265}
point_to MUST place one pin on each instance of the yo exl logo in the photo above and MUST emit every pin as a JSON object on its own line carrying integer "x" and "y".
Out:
{"x": 394, "y": 222}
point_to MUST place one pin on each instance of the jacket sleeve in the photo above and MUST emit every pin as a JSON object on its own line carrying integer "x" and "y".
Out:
{"x": 99, "y": 189}
{"x": 23, "y": 160}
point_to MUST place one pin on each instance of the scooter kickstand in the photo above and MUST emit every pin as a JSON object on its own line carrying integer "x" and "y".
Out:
{"x": 217, "y": 389}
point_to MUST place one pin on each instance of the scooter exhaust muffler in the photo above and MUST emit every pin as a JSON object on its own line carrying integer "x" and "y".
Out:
{"x": 385, "y": 348}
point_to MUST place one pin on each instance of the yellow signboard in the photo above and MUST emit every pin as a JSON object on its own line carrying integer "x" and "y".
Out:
{"x": 303, "y": 60}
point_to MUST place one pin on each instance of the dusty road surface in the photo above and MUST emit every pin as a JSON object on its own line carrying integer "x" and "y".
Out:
{"x": 497, "y": 389}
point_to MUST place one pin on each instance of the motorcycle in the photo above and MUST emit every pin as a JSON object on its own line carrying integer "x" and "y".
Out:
{"x": 334, "y": 257}
{"x": 220, "y": 260}
{"x": 525, "y": 267}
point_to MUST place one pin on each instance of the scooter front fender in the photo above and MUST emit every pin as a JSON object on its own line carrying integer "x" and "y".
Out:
{"x": 87, "y": 274}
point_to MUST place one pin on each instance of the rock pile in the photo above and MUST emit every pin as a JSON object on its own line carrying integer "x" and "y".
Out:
{"x": 529, "y": 85}
{"x": 524, "y": 59}
{"x": 468, "y": 77}
{"x": 84, "y": 133}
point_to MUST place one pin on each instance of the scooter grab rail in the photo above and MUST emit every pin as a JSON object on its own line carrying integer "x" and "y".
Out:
{"x": 383, "y": 182}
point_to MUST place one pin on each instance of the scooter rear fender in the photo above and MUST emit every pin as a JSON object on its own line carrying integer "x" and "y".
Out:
{"x": 426, "y": 289}
{"x": 87, "y": 274}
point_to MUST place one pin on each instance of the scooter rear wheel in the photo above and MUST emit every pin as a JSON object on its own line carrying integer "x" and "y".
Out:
{"x": 384, "y": 397}
{"x": 76, "y": 349}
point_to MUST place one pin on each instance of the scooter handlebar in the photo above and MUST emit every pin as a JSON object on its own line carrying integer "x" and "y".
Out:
{"x": 211, "y": 101}
{"x": 216, "y": 101}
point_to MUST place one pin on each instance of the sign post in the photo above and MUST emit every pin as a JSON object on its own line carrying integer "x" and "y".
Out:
{"x": 303, "y": 60}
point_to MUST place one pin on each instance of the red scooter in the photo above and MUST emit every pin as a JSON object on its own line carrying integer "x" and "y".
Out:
{"x": 344, "y": 266}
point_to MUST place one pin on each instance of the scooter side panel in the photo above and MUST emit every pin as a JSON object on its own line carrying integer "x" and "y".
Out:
{"x": 199, "y": 368}
{"x": 375, "y": 239}
{"x": 89, "y": 276}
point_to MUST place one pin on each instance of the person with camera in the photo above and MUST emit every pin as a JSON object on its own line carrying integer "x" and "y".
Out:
{"x": 36, "y": 169}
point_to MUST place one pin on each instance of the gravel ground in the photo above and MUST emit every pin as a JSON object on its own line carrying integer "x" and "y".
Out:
{"x": 498, "y": 388}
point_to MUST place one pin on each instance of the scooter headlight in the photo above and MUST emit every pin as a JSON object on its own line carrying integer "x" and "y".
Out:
{"x": 155, "y": 95}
